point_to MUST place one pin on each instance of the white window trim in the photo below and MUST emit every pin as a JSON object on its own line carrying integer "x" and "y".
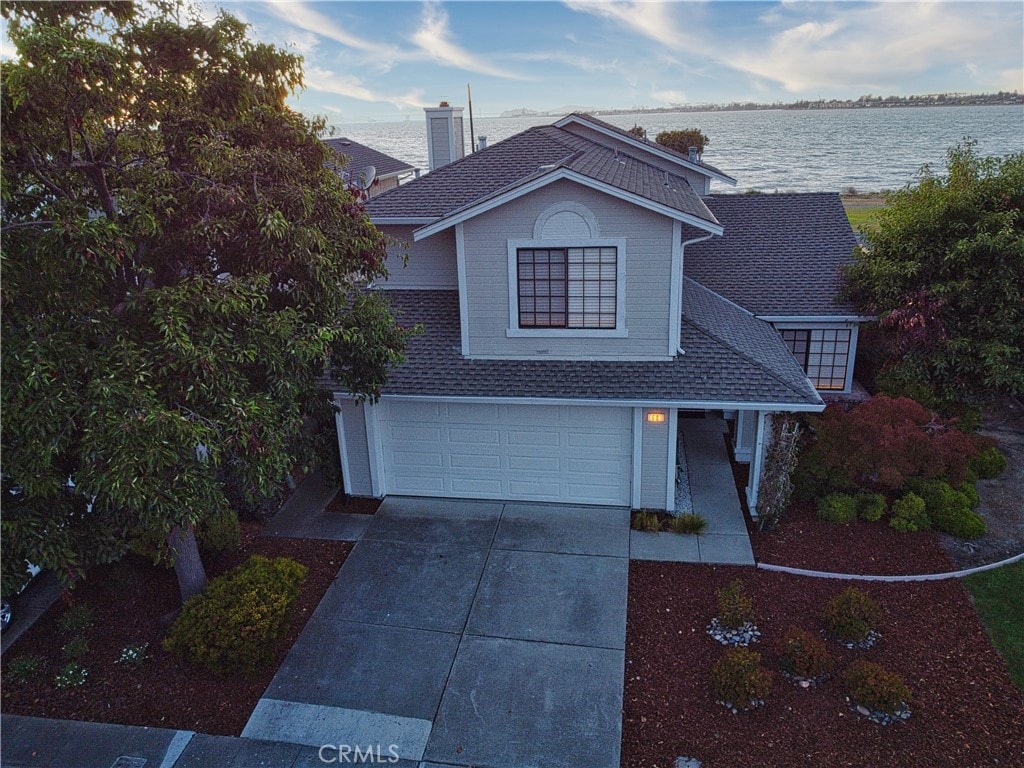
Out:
{"x": 618, "y": 332}
{"x": 566, "y": 206}
{"x": 823, "y": 326}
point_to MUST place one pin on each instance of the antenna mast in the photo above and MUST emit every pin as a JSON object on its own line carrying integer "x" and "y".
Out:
{"x": 472, "y": 137}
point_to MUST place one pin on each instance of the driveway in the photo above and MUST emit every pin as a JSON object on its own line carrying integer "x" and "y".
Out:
{"x": 466, "y": 633}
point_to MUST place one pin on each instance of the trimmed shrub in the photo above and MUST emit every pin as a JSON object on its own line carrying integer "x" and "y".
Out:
{"x": 871, "y": 506}
{"x": 234, "y": 624}
{"x": 989, "y": 463}
{"x": 220, "y": 532}
{"x": 837, "y": 508}
{"x": 802, "y": 654}
{"x": 875, "y": 687}
{"x": 739, "y": 678}
{"x": 852, "y": 615}
{"x": 908, "y": 514}
{"x": 734, "y": 607}
{"x": 688, "y": 523}
{"x": 950, "y": 510}
{"x": 967, "y": 489}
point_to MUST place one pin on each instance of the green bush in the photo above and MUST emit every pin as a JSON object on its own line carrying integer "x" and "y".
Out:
{"x": 71, "y": 676}
{"x": 852, "y": 615}
{"x": 837, "y": 508}
{"x": 802, "y": 654}
{"x": 734, "y": 607}
{"x": 738, "y": 678}
{"x": 875, "y": 687}
{"x": 645, "y": 520}
{"x": 967, "y": 489}
{"x": 908, "y": 514}
{"x": 232, "y": 626}
{"x": 950, "y": 510}
{"x": 871, "y": 506}
{"x": 220, "y": 532}
{"x": 990, "y": 462}
{"x": 24, "y": 668}
{"x": 76, "y": 619}
{"x": 688, "y": 523}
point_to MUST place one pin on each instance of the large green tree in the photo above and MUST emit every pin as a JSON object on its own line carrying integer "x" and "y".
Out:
{"x": 180, "y": 264}
{"x": 945, "y": 272}
{"x": 681, "y": 141}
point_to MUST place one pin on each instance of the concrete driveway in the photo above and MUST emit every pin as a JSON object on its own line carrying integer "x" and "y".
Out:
{"x": 466, "y": 633}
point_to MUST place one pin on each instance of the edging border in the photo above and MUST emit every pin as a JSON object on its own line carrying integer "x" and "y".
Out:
{"x": 864, "y": 577}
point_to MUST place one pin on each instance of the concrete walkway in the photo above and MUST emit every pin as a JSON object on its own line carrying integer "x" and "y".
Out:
{"x": 466, "y": 633}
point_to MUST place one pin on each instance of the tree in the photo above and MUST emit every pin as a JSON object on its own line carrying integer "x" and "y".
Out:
{"x": 639, "y": 131}
{"x": 180, "y": 265}
{"x": 945, "y": 272}
{"x": 681, "y": 141}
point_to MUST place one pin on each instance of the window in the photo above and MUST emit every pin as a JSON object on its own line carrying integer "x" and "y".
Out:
{"x": 823, "y": 354}
{"x": 567, "y": 287}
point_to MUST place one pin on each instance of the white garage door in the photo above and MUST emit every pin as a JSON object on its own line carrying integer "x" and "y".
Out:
{"x": 572, "y": 454}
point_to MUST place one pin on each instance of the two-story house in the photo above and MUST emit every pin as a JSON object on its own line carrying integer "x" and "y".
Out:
{"x": 580, "y": 289}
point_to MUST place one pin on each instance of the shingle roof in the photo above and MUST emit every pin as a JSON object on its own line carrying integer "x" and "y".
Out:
{"x": 781, "y": 255}
{"x": 522, "y": 158}
{"x": 361, "y": 156}
{"x": 720, "y": 364}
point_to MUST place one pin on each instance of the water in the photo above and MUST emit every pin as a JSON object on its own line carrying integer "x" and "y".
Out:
{"x": 778, "y": 150}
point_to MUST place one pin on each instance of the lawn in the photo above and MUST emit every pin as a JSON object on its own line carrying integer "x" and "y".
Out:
{"x": 864, "y": 211}
{"x": 997, "y": 596}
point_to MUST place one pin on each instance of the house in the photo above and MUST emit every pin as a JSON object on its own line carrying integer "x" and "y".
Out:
{"x": 581, "y": 291}
{"x": 379, "y": 171}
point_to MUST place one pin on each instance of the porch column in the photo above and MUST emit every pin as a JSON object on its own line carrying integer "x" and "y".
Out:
{"x": 756, "y": 462}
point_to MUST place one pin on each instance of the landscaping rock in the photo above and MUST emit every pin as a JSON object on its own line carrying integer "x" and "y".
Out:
{"x": 734, "y": 636}
{"x": 864, "y": 644}
{"x": 901, "y": 715}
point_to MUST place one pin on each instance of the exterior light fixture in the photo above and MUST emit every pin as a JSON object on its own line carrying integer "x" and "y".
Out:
{"x": 655, "y": 417}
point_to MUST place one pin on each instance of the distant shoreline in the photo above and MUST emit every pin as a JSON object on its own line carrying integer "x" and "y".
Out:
{"x": 864, "y": 102}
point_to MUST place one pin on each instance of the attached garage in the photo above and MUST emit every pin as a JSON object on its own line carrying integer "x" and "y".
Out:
{"x": 557, "y": 453}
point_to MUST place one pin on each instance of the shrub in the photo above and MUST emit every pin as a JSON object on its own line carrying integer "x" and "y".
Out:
{"x": 220, "y": 532}
{"x": 852, "y": 615}
{"x": 908, "y": 514}
{"x": 734, "y": 607}
{"x": 885, "y": 441}
{"x": 738, "y": 678}
{"x": 645, "y": 520}
{"x": 233, "y": 625}
{"x": 875, "y": 687}
{"x": 25, "y": 667}
{"x": 989, "y": 463}
{"x": 837, "y": 508}
{"x": 802, "y": 654}
{"x": 133, "y": 654}
{"x": 871, "y": 506}
{"x": 76, "y": 648}
{"x": 71, "y": 676}
{"x": 76, "y": 619}
{"x": 967, "y": 489}
{"x": 688, "y": 523}
{"x": 950, "y": 510}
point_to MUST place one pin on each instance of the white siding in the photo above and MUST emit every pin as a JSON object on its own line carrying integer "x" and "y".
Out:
{"x": 648, "y": 259}
{"x": 654, "y": 462}
{"x": 431, "y": 262}
{"x": 357, "y": 482}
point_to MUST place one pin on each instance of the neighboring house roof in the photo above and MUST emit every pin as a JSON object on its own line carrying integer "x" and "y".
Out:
{"x": 722, "y": 362}
{"x": 526, "y": 160}
{"x": 780, "y": 256}
{"x": 682, "y": 158}
{"x": 360, "y": 156}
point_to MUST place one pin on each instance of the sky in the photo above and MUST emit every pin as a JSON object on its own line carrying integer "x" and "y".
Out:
{"x": 385, "y": 60}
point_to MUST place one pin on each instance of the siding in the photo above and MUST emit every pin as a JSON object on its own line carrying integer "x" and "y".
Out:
{"x": 648, "y": 257}
{"x": 382, "y": 185}
{"x": 431, "y": 262}
{"x": 354, "y": 424}
{"x": 654, "y": 462}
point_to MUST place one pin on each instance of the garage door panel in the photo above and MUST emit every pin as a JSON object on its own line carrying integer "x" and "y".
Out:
{"x": 569, "y": 454}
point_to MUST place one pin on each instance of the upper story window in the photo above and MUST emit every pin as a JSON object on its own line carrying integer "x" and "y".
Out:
{"x": 567, "y": 287}
{"x": 824, "y": 354}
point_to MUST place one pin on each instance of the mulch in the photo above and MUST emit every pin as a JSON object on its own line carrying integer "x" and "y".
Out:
{"x": 132, "y": 601}
{"x": 966, "y": 710}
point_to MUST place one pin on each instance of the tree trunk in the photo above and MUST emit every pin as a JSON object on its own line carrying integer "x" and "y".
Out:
{"x": 188, "y": 565}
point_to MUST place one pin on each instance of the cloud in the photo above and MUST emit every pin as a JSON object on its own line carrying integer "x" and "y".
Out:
{"x": 326, "y": 81}
{"x": 303, "y": 16}
{"x": 433, "y": 38}
{"x": 651, "y": 20}
{"x": 670, "y": 96}
{"x": 585, "y": 63}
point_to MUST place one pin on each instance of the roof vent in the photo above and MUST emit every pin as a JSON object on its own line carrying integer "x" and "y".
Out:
{"x": 481, "y": 143}
{"x": 549, "y": 167}
{"x": 692, "y": 155}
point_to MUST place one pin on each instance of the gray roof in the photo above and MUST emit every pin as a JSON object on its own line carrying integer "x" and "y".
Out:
{"x": 781, "y": 255}
{"x": 730, "y": 356}
{"x": 525, "y": 157}
{"x": 360, "y": 156}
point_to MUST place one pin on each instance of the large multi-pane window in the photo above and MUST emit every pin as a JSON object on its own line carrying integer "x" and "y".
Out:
{"x": 567, "y": 287}
{"x": 824, "y": 354}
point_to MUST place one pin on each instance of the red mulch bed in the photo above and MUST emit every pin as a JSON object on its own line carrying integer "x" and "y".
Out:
{"x": 966, "y": 710}
{"x": 359, "y": 505}
{"x": 804, "y": 541}
{"x": 132, "y": 601}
